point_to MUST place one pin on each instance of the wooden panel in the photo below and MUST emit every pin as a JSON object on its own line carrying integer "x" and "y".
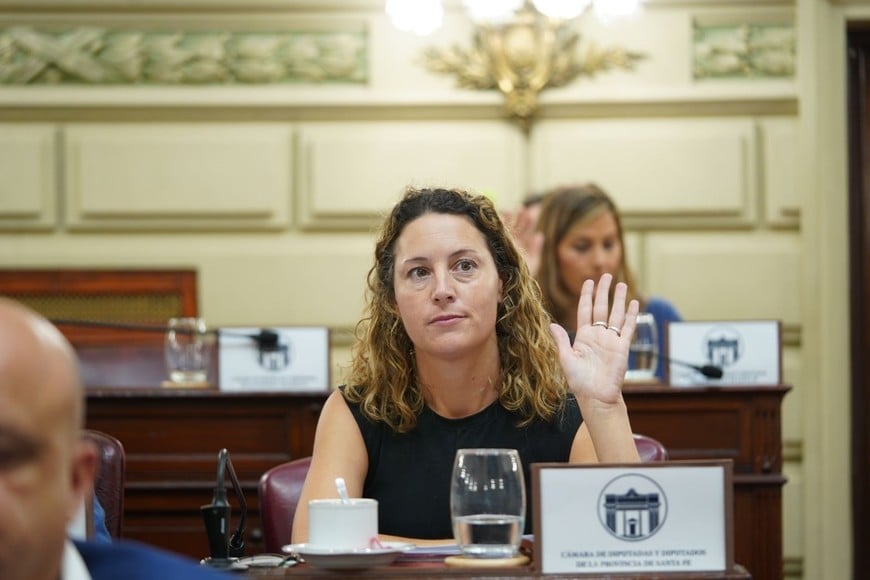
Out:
{"x": 738, "y": 423}
{"x": 123, "y": 296}
{"x": 170, "y": 518}
{"x": 701, "y": 172}
{"x": 172, "y": 439}
{"x": 758, "y": 526}
{"x": 178, "y": 176}
{"x": 353, "y": 172}
{"x": 28, "y": 189}
{"x": 712, "y": 434}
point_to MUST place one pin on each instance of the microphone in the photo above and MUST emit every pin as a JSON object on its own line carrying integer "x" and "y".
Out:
{"x": 225, "y": 550}
{"x": 708, "y": 370}
{"x": 266, "y": 338}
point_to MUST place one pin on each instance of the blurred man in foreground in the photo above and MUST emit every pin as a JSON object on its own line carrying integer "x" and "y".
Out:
{"x": 46, "y": 468}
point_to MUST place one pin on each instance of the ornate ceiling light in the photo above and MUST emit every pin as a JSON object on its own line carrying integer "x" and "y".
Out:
{"x": 520, "y": 47}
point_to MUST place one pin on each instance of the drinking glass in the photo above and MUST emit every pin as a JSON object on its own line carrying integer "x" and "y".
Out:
{"x": 187, "y": 351}
{"x": 643, "y": 352}
{"x": 488, "y": 502}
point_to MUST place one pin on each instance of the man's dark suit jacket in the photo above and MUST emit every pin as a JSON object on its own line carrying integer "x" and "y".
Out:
{"x": 128, "y": 560}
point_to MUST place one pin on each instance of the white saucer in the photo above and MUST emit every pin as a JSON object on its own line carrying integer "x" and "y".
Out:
{"x": 340, "y": 559}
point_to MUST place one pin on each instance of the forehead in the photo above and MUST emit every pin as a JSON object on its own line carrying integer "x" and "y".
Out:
{"x": 434, "y": 233}
{"x": 601, "y": 225}
{"x": 36, "y": 392}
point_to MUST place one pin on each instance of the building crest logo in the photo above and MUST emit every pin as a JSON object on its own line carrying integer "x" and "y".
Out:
{"x": 723, "y": 346}
{"x": 275, "y": 357}
{"x": 632, "y": 507}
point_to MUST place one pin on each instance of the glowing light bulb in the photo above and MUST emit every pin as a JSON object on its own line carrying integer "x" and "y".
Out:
{"x": 421, "y": 17}
{"x": 491, "y": 11}
{"x": 561, "y": 9}
{"x": 610, "y": 10}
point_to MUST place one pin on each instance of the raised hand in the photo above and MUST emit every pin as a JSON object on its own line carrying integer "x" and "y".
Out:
{"x": 595, "y": 364}
{"x": 523, "y": 224}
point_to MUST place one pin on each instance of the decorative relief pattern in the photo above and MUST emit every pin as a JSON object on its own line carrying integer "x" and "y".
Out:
{"x": 744, "y": 51}
{"x": 98, "y": 56}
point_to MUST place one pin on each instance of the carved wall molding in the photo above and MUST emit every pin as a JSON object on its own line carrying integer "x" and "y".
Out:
{"x": 104, "y": 56}
{"x": 744, "y": 50}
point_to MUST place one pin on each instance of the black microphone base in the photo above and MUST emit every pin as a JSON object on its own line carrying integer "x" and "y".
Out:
{"x": 229, "y": 564}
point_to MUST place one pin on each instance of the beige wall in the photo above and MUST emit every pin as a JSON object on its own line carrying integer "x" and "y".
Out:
{"x": 733, "y": 191}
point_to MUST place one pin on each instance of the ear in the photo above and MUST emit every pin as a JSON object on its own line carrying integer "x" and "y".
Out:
{"x": 84, "y": 469}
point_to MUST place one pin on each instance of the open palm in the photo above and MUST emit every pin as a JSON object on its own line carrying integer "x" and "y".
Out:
{"x": 595, "y": 364}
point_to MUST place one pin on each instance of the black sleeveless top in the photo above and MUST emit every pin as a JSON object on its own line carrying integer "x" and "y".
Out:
{"x": 409, "y": 473}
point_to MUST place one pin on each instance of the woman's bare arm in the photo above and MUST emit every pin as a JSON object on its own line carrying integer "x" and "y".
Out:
{"x": 339, "y": 450}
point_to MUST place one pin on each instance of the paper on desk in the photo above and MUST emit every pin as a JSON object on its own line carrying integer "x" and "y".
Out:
{"x": 438, "y": 553}
{"x": 429, "y": 553}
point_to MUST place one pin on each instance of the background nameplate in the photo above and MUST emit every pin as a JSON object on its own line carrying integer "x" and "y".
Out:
{"x": 297, "y": 362}
{"x": 749, "y": 352}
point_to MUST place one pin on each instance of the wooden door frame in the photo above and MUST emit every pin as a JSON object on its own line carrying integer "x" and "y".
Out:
{"x": 858, "y": 86}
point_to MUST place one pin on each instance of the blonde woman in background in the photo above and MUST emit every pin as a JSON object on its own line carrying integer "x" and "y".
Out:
{"x": 578, "y": 236}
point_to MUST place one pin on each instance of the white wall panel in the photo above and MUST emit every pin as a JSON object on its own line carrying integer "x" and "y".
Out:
{"x": 693, "y": 172}
{"x": 727, "y": 276}
{"x": 28, "y": 176}
{"x": 178, "y": 175}
{"x": 779, "y": 161}
{"x": 351, "y": 173}
{"x": 318, "y": 286}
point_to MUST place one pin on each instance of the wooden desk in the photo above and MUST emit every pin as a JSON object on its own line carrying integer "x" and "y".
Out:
{"x": 172, "y": 438}
{"x": 740, "y": 423}
{"x": 437, "y": 571}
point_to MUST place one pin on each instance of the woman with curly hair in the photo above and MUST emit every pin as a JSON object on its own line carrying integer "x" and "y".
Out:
{"x": 456, "y": 351}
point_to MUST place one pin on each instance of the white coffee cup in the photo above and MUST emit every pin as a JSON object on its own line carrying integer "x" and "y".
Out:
{"x": 339, "y": 525}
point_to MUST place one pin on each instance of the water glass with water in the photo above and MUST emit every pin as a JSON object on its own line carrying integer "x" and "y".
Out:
{"x": 643, "y": 352}
{"x": 488, "y": 502}
{"x": 187, "y": 351}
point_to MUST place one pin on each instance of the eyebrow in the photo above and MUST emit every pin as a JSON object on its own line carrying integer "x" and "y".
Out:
{"x": 456, "y": 254}
{"x": 18, "y": 446}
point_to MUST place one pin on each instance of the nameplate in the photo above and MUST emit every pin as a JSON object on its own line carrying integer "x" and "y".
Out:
{"x": 296, "y": 359}
{"x": 600, "y": 519}
{"x": 749, "y": 352}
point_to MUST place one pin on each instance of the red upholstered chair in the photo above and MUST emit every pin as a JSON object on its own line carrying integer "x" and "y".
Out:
{"x": 279, "y": 492}
{"x": 650, "y": 449}
{"x": 109, "y": 481}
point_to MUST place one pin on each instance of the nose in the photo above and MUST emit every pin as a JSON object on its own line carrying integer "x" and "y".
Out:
{"x": 443, "y": 290}
{"x": 599, "y": 256}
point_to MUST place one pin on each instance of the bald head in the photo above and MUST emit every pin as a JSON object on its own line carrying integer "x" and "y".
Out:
{"x": 38, "y": 364}
{"x": 45, "y": 467}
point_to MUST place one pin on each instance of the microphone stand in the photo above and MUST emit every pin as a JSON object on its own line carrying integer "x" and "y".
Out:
{"x": 709, "y": 371}
{"x": 225, "y": 553}
{"x": 266, "y": 338}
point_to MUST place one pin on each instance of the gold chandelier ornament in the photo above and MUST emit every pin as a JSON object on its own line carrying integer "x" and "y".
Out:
{"x": 521, "y": 47}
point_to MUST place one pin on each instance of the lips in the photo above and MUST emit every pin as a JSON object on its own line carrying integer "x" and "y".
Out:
{"x": 445, "y": 318}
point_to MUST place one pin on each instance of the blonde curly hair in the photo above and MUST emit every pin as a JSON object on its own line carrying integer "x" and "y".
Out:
{"x": 383, "y": 378}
